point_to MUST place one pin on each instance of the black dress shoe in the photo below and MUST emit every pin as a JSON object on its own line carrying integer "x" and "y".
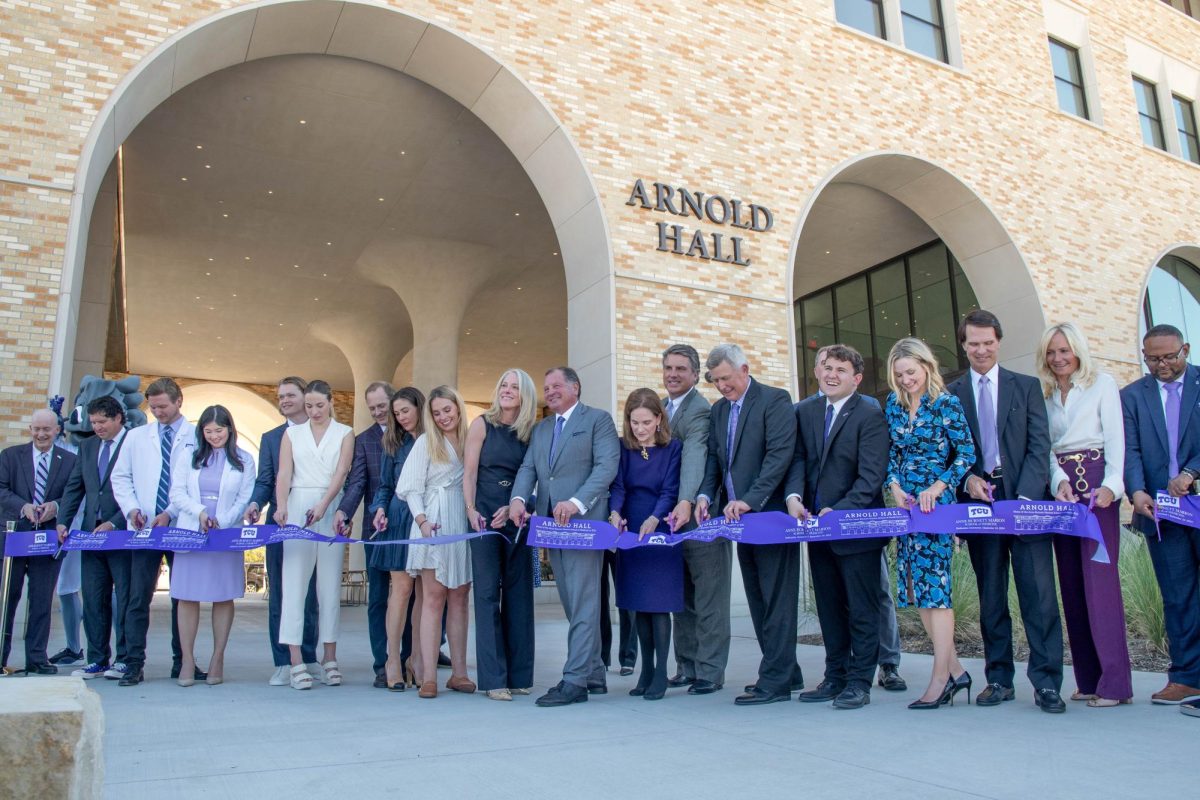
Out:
{"x": 637, "y": 691}
{"x": 45, "y": 668}
{"x": 890, "y": 680}
{"x": 679, "y": 679}
{"x": 825, "y": 691}
{"x": 381, "y": 681}
{"x": 701, "y": 686}
{"x": 626, "y": 671}
{"x": 596, "y": 687}
{"x": 133, "y": 676}
{"x": 760, "y": 697}
{"x": 443, "y": 660}
{"x": 563, "y": 695}
{"x": 852, "y": 697}
{"x": 994, "y": 695}
{"x": 1049, "y": 701}
{"x": 67, "y": 656}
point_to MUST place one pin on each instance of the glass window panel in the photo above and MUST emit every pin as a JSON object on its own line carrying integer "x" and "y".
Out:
{"x": 923, "y": 38}
{"x": 926, "y": 10}
{"x": 1068, "y": 79}
{"x": 933, "y": 311}
{"x": 1148, "y": 115}
{"x": 865, "y": 15}
{"x": 964, "y": 292}
{"x": 817, "y": 313}
{"x": 1173, "y": 296}
{"x": 1185, "y": 123}
{"x": 854, "y": 321}
{"x": 889, "y": 297}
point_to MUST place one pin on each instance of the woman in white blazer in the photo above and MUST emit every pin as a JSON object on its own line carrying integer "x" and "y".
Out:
{"x": 210, "y": 488}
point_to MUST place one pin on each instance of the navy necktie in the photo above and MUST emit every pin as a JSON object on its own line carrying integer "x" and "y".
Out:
{"x": 828, "y": 421}
{"x": 105, "y": 454}
{"x": 164, "y": 474}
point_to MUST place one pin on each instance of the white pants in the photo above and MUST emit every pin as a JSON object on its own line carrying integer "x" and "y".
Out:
{"x": 299, "y": 558}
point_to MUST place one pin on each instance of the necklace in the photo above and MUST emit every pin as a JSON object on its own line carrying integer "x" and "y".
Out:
{"x": 645, "y": 454}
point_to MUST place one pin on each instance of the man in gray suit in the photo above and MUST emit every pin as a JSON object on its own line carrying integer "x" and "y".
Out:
{"x": 702, "y": 628}
{"x": 752, "y": 431}
{"x": 571, "y": 461}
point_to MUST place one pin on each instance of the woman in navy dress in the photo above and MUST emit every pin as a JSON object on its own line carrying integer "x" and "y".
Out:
{"x": 649, "y": 578}
{"x": 501, "y": 566}
{"x": 392, "y": 521}
{"x": 931, "y": 452}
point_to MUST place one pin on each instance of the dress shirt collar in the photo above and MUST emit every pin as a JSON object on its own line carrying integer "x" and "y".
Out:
{"x": 673, "y": 403}
{"x": 993, "y": 375}
{"x": 1162, "y": 385}
{"x": 566, "y": 415}
{"x": 839, "y": 405}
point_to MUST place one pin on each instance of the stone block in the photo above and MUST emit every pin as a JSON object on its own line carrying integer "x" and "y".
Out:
{"x": 51, "y": 739}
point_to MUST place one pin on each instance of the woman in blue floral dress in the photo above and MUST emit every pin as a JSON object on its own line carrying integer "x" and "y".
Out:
{"x": 931, "y": 452}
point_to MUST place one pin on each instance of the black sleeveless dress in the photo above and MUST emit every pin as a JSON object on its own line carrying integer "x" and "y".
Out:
{"x": 499, "y": 460}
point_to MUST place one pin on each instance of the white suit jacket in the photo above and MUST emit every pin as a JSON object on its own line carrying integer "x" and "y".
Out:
{"x": 234, "y": 496}
{"x": 135, "y": 475}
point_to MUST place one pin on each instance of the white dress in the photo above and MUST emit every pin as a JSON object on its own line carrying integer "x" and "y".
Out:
{"x": 436, "y": 490}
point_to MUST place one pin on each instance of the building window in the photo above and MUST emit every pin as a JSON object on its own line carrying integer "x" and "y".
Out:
{"x": 1068, "y": 78}
{"x": 924, "y": 31}
{"x": 921, "y": 293}
{"x": 1173, "y": 297}
{"x": 1185, "y": 123}
{"x": 1189, "y": 7}
{"x": 1148, "y": 113}
{"x": 864, "y": 15}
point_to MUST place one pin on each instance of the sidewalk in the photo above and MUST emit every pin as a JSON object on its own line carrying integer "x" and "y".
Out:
{"x": 245, "y": 739}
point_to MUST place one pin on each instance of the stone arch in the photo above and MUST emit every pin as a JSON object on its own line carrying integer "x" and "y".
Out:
{"x": 401, "y": 41}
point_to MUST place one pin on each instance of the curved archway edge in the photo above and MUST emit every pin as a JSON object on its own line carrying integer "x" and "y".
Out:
{"x": 396, "y": 39}
{"x": 963, "y": 220}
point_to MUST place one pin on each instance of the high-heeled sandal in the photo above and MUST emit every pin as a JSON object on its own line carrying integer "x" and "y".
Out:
{"x": 333, "y": 675}
{"x": 1107, "y": 702}
{"x": 499, "y": 694}
{"x": 464, "y": 685}
{"x": 521, "y": 690}
{"x": 300, "y": 679}
{"x": 428, "y": 690}
{"x": 1079, "y": 696}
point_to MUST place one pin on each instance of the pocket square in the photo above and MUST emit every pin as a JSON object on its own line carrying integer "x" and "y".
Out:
{"x": 579, "y": 433}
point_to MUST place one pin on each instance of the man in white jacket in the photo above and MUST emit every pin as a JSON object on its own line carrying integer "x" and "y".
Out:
{"x": 141, "y": 482}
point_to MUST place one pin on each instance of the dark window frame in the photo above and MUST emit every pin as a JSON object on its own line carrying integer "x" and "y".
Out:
{"x": 939, "y": 27}
{"x": 1189, "y": 7}
{"x": 1155, "y": 119}
{"x": 1073, "y": 54}
{"x": 880, "y": 19}
{"x": 1189, "y": 140}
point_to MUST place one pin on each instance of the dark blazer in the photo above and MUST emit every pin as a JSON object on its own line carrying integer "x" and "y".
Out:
{"x": 845, "y": 471}
{"x": 363, "y": 480}
{"x": 1024, "y": 432}
{"x": 17, "y": 482}
{"x": 763, "y": 447}
{"x": 1147, "y": 458}
{"x": 86, "y": 485}
{"x": 268, "y": 468}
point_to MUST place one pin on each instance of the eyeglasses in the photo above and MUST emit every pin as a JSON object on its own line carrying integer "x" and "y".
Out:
{"x": 1154, "y": 361}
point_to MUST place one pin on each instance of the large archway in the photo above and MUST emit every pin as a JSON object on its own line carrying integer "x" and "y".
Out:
{"x": 493, "y": 94}
{"x": 893, "y": 216}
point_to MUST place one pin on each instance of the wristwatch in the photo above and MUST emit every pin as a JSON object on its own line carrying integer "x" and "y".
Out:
{"x": 1195, "y": 474}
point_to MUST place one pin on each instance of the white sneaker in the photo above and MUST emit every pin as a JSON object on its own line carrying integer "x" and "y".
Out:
{"x": 282, "y": 676}
{"x": 116, "y": 671}
{"x": 317, "y": 671}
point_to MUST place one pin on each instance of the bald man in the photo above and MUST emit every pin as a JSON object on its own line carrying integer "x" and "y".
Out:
{"x": 32, "y": 479}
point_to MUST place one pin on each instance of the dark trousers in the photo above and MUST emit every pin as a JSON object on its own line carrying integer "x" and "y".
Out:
{"x": 104, "y": 577}
{"x": 702, "y": 629}
{"x": 280, "y": 653}
{"x": 144, "y": 567}
{"x": 1032, "y": 562}
{"x": 627, "y": 639}
{"x": 503, "y": 585}
{"x": 42, "y": 574}
{"x": 1176, "y": 561}
{"x": 379, "y": 584}
{"x": 847, "y": 592}
{"x": 771, "y": 574}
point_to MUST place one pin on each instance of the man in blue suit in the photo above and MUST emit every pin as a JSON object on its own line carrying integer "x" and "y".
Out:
{"x": 1162, "y": 453}
{"x": 290, "y": 395}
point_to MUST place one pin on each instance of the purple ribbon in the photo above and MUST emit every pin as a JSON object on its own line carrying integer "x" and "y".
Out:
{"x": 19, "y": 544}
{"x": 1180, "y": 510}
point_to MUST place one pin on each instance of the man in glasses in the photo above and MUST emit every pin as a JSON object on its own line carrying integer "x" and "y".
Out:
{"x": 1162, "y": 453}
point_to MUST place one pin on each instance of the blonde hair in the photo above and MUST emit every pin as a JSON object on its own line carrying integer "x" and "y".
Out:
{"x": 911, "y": 347}
{"x": 437, "y": 443}
{"x": 1085, "y": 373}
{"x": 527, "y": 415}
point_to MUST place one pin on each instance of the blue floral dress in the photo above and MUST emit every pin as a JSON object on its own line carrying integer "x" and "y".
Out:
{"x": 935, "y": 445}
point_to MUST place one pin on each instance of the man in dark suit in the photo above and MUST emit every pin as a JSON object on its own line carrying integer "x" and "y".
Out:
{"x": 32, "y": 479}
{"x": 361, "y": 483}
{"x": 702, "y": 628}
{"x": 290, "y": 397}
{"x": 103, "y": 573}
{"x": 571, "y": 461}
{"x": 752, "y": 439}
{"x": 1162, "y": 453}
{"x": 840, "y": 463}
{"x": 1007, "y": 415}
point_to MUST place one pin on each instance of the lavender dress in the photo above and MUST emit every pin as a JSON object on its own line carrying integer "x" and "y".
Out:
{"x": 209, "y": 577}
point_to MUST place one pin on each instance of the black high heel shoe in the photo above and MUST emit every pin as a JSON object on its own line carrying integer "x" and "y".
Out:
{"x": 946, "y": 697}
{"x": 962, "y": 682}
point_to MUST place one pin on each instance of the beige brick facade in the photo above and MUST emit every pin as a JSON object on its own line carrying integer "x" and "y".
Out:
{"x": 760, "y": 101}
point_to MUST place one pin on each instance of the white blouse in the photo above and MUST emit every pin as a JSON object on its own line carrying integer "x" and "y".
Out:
{"x": 1091, "y": 418}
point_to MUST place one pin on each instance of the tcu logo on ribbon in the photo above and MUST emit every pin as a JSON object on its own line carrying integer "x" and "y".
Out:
{"x": 659, "y": 539}
{"x": 249, "y": 533}
{"x": 978, "y": 511}
{"x": 144, "y": 533}
{"x": 39, "y": 538}
{"x": 1168, "y": 500}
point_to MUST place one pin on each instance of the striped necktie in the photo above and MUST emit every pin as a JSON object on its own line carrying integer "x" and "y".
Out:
{"x": 164, "y": 475}
{"x": 40, "y": 476}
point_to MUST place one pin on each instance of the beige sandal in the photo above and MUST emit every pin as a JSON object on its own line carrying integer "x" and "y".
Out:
{"x": 1080, "y": 696}
{"x": 333, "y": 676}
{"x": 300, "y": 679}
{"x": 499, "y": 694}
{"x": 1105, "y": 702}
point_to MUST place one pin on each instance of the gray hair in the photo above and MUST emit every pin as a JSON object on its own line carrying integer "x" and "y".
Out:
{"x": 730, "y": 353}
{"x": 687, "y": 351}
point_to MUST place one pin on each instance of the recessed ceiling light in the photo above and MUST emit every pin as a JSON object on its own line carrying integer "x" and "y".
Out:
{"x": 826, "y": 252}
{"x": 209, "y": 274}
{"x": 401, "y": 152}
{"x": 303, "y": 122}
{"x": 225, "y": 215}
{"x": 316, "y": 299}
{"x": 178, "y": 323}
{"x": 281, "y": 324}
{"x": 197, "y": 297}
{"x": 270, "y": 191}
{"x": 183, "y": 179}
{"x": 518, "y": 288}
{"x": 199, "y": 147}
{"x": 208, "y": 166}
{"x": 235, "y": 294}
{"x": 210, "y": 259}
{"x": 295, "y": 266}
{"x": 381, "y": 199}
{"x": 324, "y": 274}
{"x": 516, "y": 213}
{"x": 160, "y": 342}
{"x": 554, "y": 253}
{"x": 247, "y": 258}
{"x": 327, "y": 244}
{"x": 515, "y": 342}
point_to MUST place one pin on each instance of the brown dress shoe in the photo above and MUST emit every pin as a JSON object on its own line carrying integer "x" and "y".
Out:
{"x": 428, "y": 689}
{"x": 464, "y": 685}
{"x": 1174, "y": 693}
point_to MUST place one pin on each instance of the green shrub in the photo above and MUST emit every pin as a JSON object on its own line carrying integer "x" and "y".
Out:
{"x": 1139, "y": 587}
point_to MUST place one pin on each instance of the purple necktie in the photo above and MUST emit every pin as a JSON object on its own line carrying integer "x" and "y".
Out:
{"x": 1173, "y": 426}
{"x": 987, "y": 427}
{"x": 730, "y": 436}
{"x": 558, "y": 426}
